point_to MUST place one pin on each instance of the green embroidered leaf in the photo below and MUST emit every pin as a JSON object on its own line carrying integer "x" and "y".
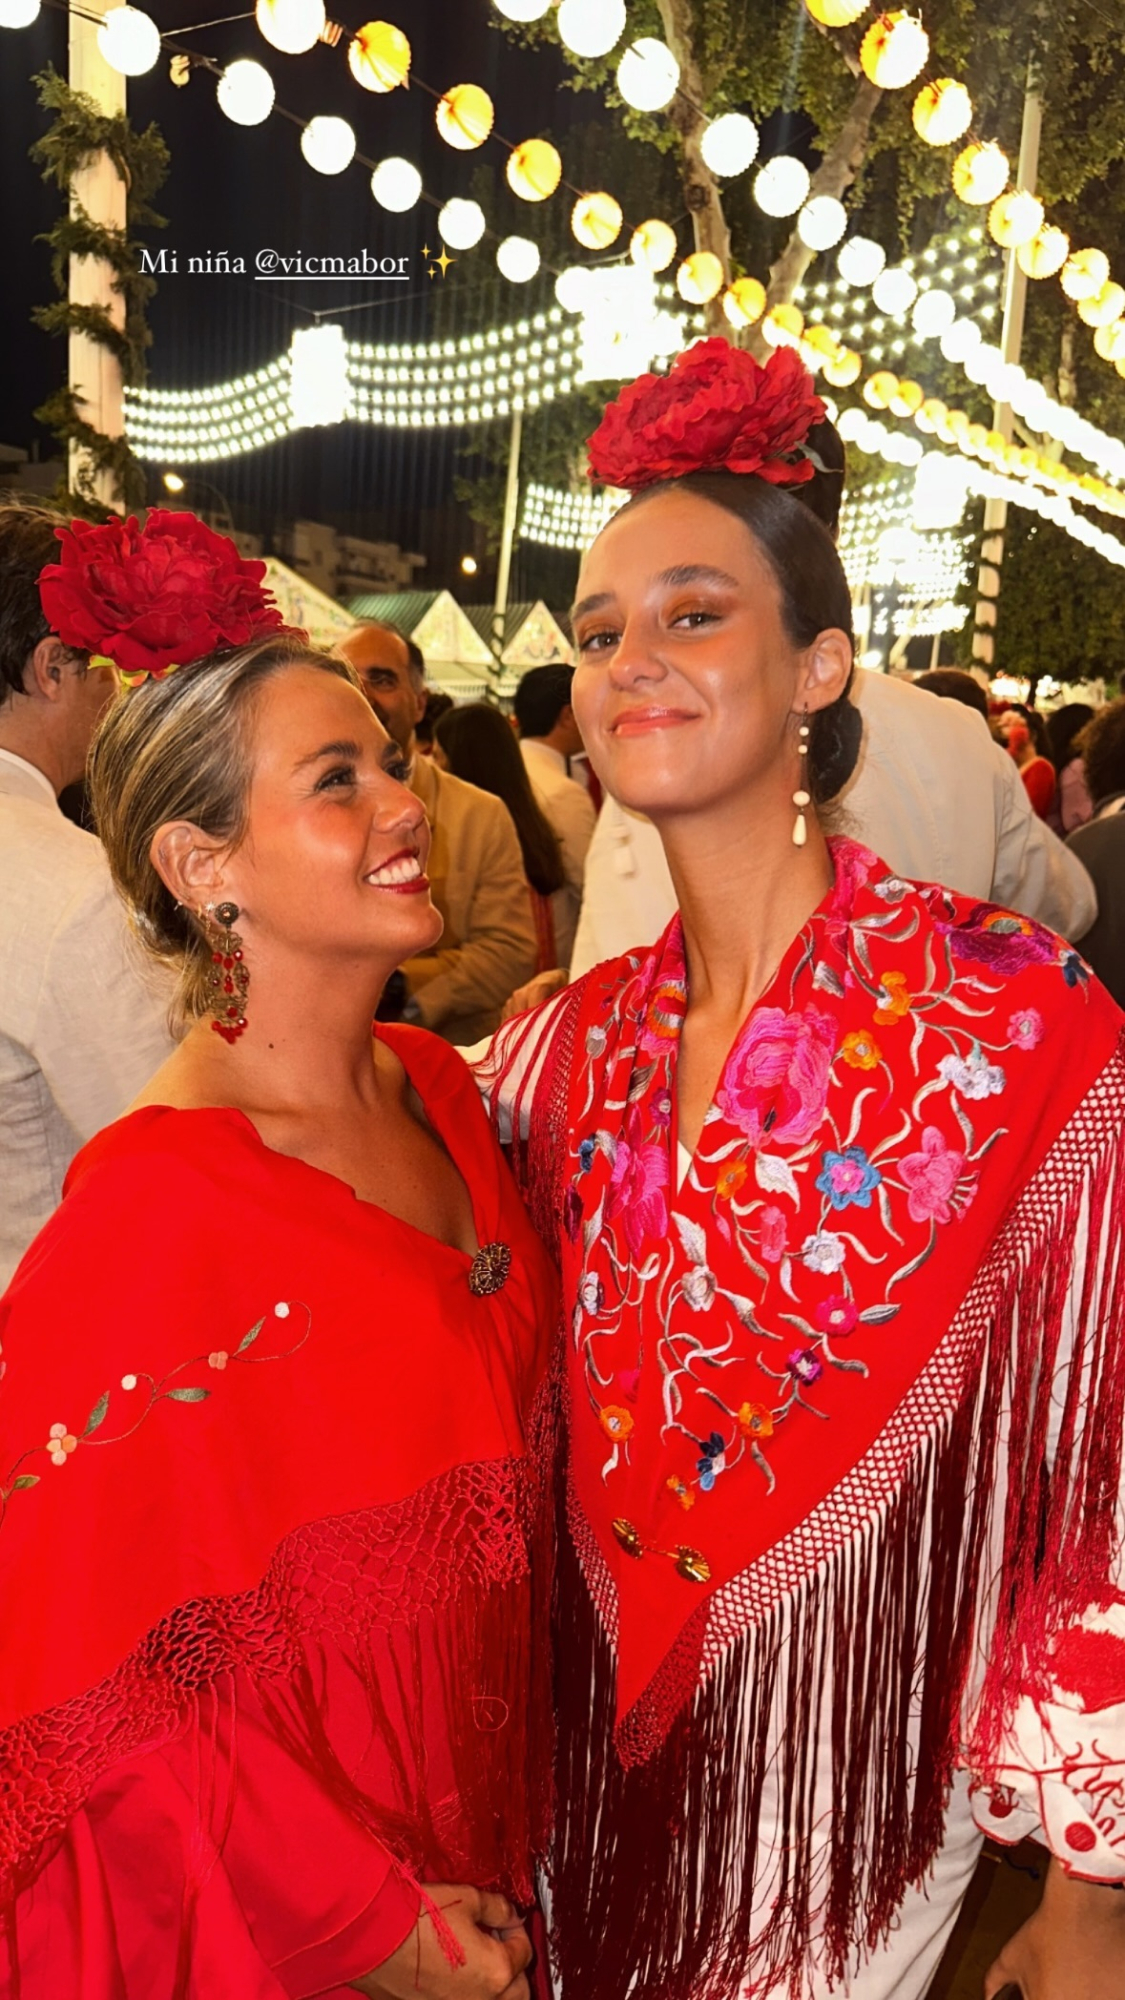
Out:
{"x": 248, "y": 1339}
{"x": 25, "y": 1480}
{"x": 97, "y": 1414}
{"x": 188, "y": 1395}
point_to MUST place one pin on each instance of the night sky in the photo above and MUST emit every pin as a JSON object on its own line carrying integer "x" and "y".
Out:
{"x": 237, "y": 189}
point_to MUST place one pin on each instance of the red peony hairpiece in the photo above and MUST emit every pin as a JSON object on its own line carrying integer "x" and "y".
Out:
{"x": 148, "y": 600}
{"x": 717, "y": 409}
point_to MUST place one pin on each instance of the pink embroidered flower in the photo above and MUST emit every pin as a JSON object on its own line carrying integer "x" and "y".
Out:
{"x": 1025, "y": 1029}
{"x": 218, "y": 1359}
{"x": 803, "y": 1365}
{"x": 773, "y": 1231}
{"x": 931, "y": 1176}
{"x": 60, "y": 1444}
{"x": 776, "y": 1082}
{"x": 637, "y": 1187}
{"x": 663, "y": 1018}
{"x": 837, "y": 1315}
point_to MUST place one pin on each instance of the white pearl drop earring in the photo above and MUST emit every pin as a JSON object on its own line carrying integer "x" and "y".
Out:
{"x": 802, "y": 797}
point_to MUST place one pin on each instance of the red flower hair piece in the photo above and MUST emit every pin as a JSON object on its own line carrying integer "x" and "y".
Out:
{"x": 716, "y": 409}
{"x": 151, "y": 599}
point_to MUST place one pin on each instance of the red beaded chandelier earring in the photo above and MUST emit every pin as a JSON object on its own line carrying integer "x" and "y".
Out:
{"x": 229, "y": 980}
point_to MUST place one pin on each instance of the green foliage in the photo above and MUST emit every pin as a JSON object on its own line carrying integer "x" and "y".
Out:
{"x": 1060, "y": 610}
{"x": 78, "y": 134}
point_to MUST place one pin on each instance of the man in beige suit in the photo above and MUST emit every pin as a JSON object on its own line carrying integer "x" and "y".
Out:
{"x": 476, "y": 870}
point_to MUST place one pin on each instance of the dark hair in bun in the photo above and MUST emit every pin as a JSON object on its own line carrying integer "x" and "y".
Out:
{"x": 793, "y": 526}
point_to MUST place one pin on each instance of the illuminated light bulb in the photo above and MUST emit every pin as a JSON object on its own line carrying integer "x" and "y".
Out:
{"x": 517, "y": 259}
{"x": 129, "y": 41}
{"x": 596, "y": 220}
{"x": 522, "y": 10}
{"x": 1046, "y": 253}
{"x": 648, "y": 75}
{"x": 943, "y": 112}
{"x": 464, "y": 116}
{"x": 861, "y": 261}
{"x": 534, "y": 170}
{"x": 821, "y": 222}
{"x": 730, "y": 144}
{"x": 245, "y": 92}
{"x": 1109, "y": 341}
{"x": 934, "y": 312}
{"x": 744, "y": 302}
{"x": 652, "y": 245}
{"x": 879, "y": 388}
{"x": 379, "y": 57}
{"x": 1084, "y": 273}
{"x": 783, "y": 326}
{"x": 293, "y": 26}
{"x": 18, "y": 13}
{"x": 980, "y": 173}
{"x": 1015, "y": 218}
{"x": 781, "y": 187}
{"x": 328, "y": 144}
{"x": 699, "y": 277}
{"x": 894, "y": 291}
{"x": 837, "y": 13}
{"x": 591, "y": 28}
{"x": 894, "y": 51}
{"x": 1107, "y": 305}
{"x": 572, "y": 288}
{"x": 845, "y": 369}
{"x": 396, "y": 185}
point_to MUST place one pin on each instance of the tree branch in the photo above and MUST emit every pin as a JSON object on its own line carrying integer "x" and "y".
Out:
{"x": 702, "y": 195}
{"x": 834, "y": 176}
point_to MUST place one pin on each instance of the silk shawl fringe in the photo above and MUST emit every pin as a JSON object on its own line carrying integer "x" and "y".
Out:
{"x": 657, "y": 1884}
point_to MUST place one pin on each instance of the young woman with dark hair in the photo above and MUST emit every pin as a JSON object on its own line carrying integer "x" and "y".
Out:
{"x": 477, "y": 744}
{"x": 834, "y": 1173}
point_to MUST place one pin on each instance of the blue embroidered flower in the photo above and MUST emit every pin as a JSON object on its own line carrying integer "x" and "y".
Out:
{"x": 713, "y": 1460}
{"x": 586, "y": 1150}
{"x": 848, "y": 1178}
{"x": 1073, "y": 970}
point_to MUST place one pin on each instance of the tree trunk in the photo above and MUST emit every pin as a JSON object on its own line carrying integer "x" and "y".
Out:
{"x": 1068, "y": 375}
{"x": 702, "y": 194}
{"x": 834, "y": 176}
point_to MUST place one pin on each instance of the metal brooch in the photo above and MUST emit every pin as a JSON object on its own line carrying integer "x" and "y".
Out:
{"x": 489, "y": 1270}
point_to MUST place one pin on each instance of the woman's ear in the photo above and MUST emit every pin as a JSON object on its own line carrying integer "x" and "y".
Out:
{"x": 189, "y": 863}
{"x": 826, "y": 669}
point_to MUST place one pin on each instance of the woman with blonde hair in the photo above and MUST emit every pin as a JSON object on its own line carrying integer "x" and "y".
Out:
{"x": 273, "y": 1708}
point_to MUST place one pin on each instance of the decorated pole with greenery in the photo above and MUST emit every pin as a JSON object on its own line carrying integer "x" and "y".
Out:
{"x": 108, "y": 174}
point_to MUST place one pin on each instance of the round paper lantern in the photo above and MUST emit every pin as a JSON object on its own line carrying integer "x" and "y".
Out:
{"x": 783, "y": 326}
{"x": 1014, "y": 218}
{"x": 517, "y": 259}
{"x": 837, "y": 13}
{"x": 861, "y": 260}
{"x": 591, "y": 27}
{"x": 648, "y": 75}
{"x": 396, "y": 185}
{"x": 245, "y": 92}
{"x": 572, "y": 288}
{"x": 933, "y": 313}
{"x": 822, "y": 222}
{"x": 596, "y": 220}
{"x": 652, "y": 245}
{"x": 1109, "y": 341}
{"x": 534, "y": 170}
{"x": 894, "y": 292}
{"x": 730, "y": 144}
{"x": 129, "y": 41}
{"x": 522, "y": 10}
{"x": 1084, "y": 273}
{"x": 958, "y": 343}
{"x": 699, "y": 277}
{"x": 744, "y": 301}
{"x": 879, "y": 388}
{"x": 18, "y": 13}
{"x": 1046, "y": 253}
{"x": 845, "y": 369}
{"x": 464, "y": 116}
{"x": 781, "y": 187}
{"x": 821, "y": 340}
{"x": 980, "y": 173}
{"x": 943, "y": 112}
{"x": 1106, "y": 305}
{"x": 379, "y": 56}
{"x": 957, "y": 423}
{"x": 461, "y": 223}
{"x": 328, "y": 144}
{"x": 894, "y": 51}
{"x": 908, "y": 397}
{"x": 931, "y": 416}
{"x": 291, "y": 25}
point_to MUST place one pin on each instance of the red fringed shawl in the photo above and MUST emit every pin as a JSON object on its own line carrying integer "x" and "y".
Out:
{"x": 264, "y": 1453}
{"x": 810, "y": 1391}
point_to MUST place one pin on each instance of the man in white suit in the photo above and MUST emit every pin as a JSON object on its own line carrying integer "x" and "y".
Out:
{"x": 82, "y": 1026}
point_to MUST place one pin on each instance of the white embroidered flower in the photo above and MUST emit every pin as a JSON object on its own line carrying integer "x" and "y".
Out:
{"x": 591, "y": 1294}
{"x": 823, "y": 1253}
{"x": 892, "y": 890}
{"x": 973, "y": 1076}
{"x": 699, "y": 1288}
{"x": 595, "y": 1041}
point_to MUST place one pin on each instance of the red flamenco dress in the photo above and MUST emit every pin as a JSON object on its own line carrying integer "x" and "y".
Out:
{"x": 271, "y": 1466}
